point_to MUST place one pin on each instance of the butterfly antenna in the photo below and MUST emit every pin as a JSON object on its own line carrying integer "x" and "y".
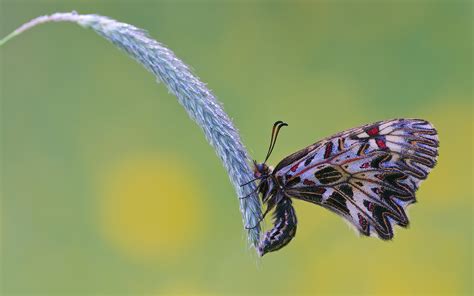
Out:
{"x": 275, "y": 130}
{"x": 273, "y": 136}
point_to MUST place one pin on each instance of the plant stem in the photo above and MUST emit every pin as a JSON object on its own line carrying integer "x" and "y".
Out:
{"x": 192, "y": 94}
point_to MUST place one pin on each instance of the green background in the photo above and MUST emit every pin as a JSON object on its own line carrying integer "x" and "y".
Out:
{"x": 109, "y": 188}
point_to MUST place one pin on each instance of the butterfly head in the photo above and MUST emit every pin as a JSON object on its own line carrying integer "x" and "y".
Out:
{"x": 261, "y": 170}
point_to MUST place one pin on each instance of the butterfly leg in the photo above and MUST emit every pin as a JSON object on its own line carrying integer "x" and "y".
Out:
{"x": 256, "y": 190}
{"x": 260, "y": 220}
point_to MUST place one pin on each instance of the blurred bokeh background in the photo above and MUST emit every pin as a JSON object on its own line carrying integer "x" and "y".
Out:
{"x": 107, "y": 187}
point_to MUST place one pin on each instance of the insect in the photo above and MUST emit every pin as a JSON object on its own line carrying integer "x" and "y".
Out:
{"x": 368, "y": 175}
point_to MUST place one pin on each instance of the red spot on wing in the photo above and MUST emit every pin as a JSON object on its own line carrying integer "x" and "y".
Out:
{"x": 319, "y": 190}
{"x": 365, "y": 165}
{"x": 294, "y": 168}
{"x": 328, "y": 150}
{"x": 381, "y": 143}
{"x": 362, "y": 221}
{"x": 371, "y": 207}
{"x": 308, "y": 182}
{"x": 373, "y": 131}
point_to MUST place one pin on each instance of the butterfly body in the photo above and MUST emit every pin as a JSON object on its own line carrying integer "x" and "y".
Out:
{"x": 368, "y": 175}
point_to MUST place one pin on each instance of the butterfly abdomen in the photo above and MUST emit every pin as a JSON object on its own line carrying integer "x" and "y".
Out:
{"x": 284, "y": 228}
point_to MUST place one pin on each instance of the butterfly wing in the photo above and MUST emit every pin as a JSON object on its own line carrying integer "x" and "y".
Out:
{"x": 368, "y": 175}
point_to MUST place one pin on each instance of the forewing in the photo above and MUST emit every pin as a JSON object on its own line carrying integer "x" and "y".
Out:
{"x": 368, "y": 175}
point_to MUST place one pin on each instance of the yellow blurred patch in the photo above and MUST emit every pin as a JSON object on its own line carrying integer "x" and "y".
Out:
{"x": 184, "y": 288}
{"x": 151, "y": 207}
{"x": 380, "y": 268}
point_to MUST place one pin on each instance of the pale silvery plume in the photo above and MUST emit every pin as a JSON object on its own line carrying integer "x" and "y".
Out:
{"x": 192, "y": 94}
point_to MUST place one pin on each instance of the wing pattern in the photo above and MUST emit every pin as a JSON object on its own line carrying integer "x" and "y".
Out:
{"x": 368, "y": 175}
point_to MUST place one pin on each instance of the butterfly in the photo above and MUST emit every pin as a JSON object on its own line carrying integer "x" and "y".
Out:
{"x": 368, "y": 175}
